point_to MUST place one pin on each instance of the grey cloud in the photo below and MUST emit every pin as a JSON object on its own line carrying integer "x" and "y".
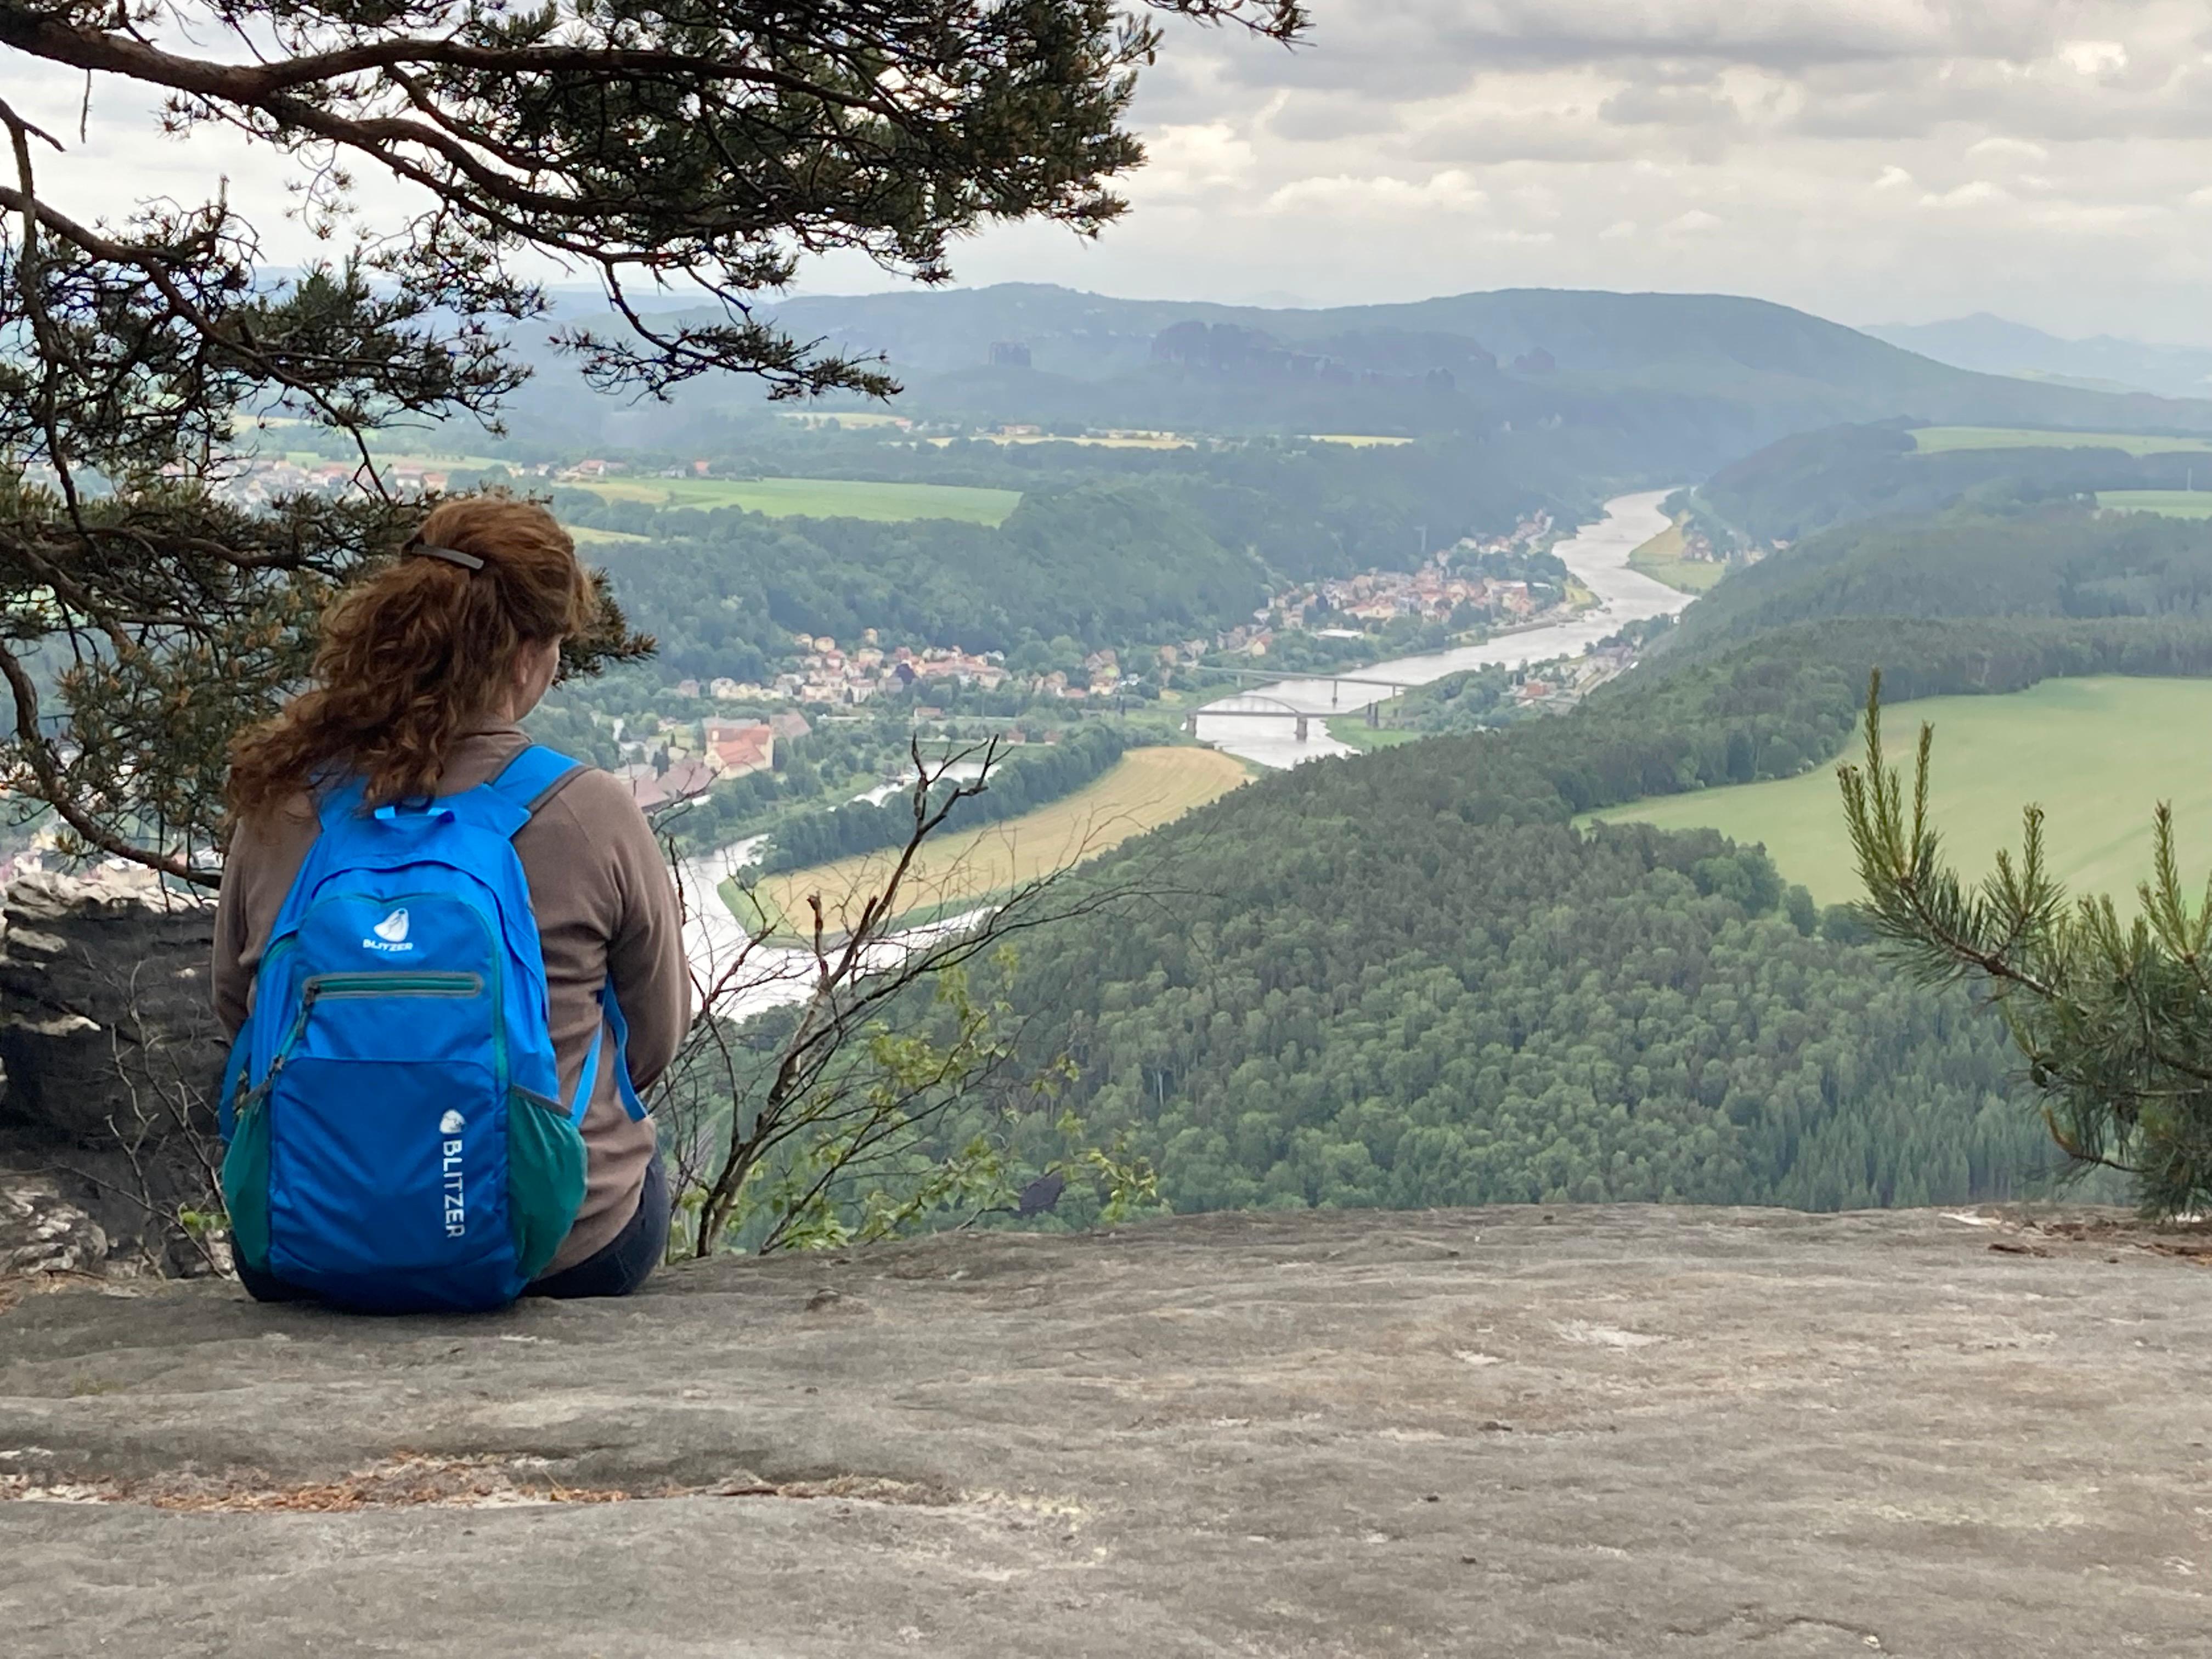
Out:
{"x": 1918, "y": 100}
{"x": 1318, "y": 118}
{"x": 1482, "y": 139}
{"x": 1413, "y": 47}
{"x": 1671, "y": 106}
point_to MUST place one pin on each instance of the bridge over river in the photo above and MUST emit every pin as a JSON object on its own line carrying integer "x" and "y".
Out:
{"x": 1258, "y": 705}
{"x": 1274, "y": 723}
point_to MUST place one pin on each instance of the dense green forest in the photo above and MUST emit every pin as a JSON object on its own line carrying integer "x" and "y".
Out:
{"x": 1400, "y": 1007}
{"x": 1304, "y": 508}
{"x": 2048, "y": 559}
{"x": 1409, "y": 979}
{"x": 1468, "y": 702}
{"x": 1102, "y": 564}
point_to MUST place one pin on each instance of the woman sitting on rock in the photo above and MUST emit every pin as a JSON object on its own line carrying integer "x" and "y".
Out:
{"x": 449, "y": 957}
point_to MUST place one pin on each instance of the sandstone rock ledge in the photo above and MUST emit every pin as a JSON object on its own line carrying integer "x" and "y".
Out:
{"x": 1619, "y": 1430}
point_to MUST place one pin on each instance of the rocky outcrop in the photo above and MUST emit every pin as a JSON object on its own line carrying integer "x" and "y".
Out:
{"x": 110, "y": 1056}
{"x": 42, "y": 1233}
{"x": 1666, "y": 1433}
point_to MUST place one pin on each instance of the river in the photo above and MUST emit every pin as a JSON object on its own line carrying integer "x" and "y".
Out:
{"x": 1598, "y": 556}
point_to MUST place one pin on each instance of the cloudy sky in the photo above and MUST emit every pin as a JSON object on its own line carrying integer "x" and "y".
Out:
{"x": 1870, "y": 160}
{"x": 1873, "y": 160}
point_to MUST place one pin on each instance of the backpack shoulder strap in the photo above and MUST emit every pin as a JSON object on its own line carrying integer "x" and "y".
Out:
{"x": 532, "y": 775}
{"x": 337, "y": 800}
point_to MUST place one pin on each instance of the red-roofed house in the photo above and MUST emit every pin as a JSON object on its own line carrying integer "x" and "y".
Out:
{"x": 734, "y": 750}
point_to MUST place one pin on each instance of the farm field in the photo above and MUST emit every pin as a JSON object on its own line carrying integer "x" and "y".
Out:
{"x": 426, "y": 461}
{"x": 2172, "y": 503}
{"x": 1936, "y": 440}
{"x": 1147, "y": 788}
{"x": 819, "y": 498}
{"x": 1660, "y": 559}
{"x": 845, "y": 417}
{"x": 2096, "y": 753}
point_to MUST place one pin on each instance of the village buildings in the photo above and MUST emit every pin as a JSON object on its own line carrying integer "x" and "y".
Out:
{"x": 827, "y": 676}
{"x": 1344, "y": 607}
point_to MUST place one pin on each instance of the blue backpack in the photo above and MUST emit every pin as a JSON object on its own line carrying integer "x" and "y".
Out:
{"x": 396, "y": 1143}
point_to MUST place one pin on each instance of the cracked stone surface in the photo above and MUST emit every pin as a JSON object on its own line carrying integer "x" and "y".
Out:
{"x": 1619, "y": 1430}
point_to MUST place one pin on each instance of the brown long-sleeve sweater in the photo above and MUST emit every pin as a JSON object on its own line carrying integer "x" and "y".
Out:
{"x": 603, "y": 901}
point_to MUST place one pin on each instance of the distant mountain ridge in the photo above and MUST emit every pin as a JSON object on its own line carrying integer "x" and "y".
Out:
{"x": 1589, "y": 332}
{"x": 1996, "y": 345}
{"x": 1649, "y": 386}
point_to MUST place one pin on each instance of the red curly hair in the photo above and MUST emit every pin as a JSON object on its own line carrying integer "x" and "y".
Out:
{"x": 415, "y": 655}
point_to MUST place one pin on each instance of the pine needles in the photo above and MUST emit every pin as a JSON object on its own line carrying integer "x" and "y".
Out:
{"x": 2113, "y": 1016}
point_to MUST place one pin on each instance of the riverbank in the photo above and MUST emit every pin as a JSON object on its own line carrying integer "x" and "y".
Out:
{"x": 1597, "y": 556}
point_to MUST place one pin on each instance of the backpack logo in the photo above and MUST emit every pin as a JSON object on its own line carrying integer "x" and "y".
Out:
{"x": 452, "y": 1181}
{"x": 391, "y": 934}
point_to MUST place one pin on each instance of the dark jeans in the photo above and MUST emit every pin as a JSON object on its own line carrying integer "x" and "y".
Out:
{"x": 626, "y": 1261}
{"x": 616, "y": 1268}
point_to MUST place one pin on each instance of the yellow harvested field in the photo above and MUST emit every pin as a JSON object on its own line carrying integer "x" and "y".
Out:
{"x": 1147, "y": 788}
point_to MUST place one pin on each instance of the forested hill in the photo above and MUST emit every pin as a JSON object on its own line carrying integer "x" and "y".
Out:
{"x": 1809, "y": 481}
{"x": 1408, "y": 979}
{"x": 1695, "y": 380}
{"x": 1107, "y": 547}
{"x": 1102, "y": 565}
{"x": 2048, "y": 559}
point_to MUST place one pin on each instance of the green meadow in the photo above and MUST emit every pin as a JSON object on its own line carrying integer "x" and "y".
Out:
{"x": 2172, "y": 503}
{"x": 1663, "y": 559}
{"x": 819, "y": 498}
{"x": 2097, "y": 754}
{"x": 1935, "y": 439}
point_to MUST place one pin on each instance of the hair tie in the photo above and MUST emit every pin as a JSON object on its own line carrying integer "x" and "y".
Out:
{"x": 449, "y": 555}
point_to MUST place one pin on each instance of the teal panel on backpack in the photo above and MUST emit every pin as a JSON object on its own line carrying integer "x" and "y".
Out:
{"x": 545, "y": 1171}
{"x": 245, "y": 1184}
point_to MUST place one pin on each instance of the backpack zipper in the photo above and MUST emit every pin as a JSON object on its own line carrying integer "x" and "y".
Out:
{"x": 319, "y": 986}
